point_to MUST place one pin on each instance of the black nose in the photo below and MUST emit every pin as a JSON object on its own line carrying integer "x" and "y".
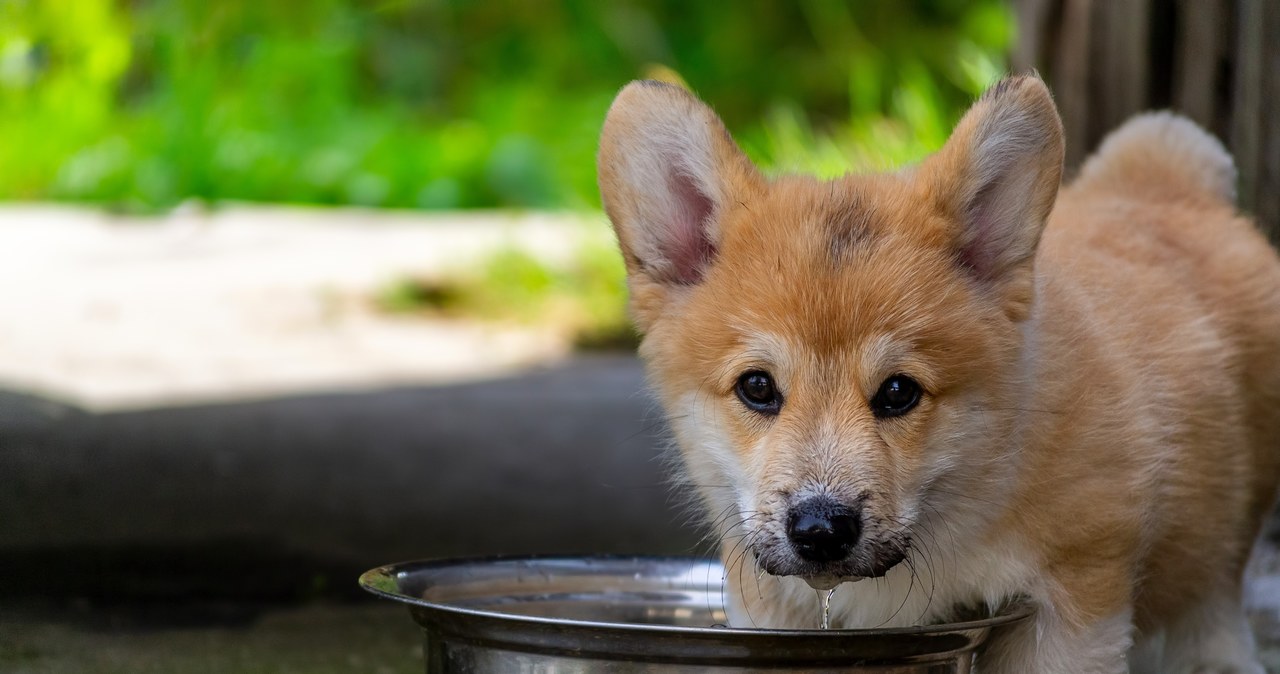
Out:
{"x": 822, "y": 530}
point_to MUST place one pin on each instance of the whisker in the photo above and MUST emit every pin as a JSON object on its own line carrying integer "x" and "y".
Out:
{"x": 904, "y": 597}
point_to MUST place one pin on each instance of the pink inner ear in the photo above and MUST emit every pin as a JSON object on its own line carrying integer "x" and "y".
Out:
{"x": 976, "y": 253}
{"x": 985, "y": 239}
{"x": 687, "y": 245}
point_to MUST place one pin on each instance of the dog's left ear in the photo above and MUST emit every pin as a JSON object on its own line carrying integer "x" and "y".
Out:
{"x": 995, "y": 182}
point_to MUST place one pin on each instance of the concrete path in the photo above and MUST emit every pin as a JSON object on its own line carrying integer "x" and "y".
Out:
{"x": 112, "y": 312}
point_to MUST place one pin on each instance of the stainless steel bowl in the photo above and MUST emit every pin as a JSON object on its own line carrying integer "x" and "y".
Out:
{"x": 567, "y": 615}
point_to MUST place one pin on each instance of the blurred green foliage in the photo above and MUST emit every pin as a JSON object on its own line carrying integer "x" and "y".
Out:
{"x": 585, "y": 299}
{"x": 455, "y": 103}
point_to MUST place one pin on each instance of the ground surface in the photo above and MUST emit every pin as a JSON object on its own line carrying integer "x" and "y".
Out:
{"x": 205, "y": 435}
{"x": 312, "y": 639}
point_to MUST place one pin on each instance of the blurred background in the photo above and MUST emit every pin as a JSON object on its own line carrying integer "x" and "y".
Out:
{"x": 291, "y": 290}
{"x": 141, "y": 106}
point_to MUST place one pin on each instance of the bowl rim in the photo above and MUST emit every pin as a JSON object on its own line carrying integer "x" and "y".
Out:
{"x": 375, "y": 581}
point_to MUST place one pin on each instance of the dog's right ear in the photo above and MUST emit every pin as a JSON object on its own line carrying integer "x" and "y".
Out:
{"x": 668, "y": 172}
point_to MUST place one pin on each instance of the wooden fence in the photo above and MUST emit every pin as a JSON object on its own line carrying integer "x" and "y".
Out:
{"x": 1216, "y": 61}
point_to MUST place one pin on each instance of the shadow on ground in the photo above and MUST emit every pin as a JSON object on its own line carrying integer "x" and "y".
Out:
{"x": 290, "y": 498}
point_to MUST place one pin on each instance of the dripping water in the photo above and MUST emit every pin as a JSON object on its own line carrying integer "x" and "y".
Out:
{"x": 824, "y": 607}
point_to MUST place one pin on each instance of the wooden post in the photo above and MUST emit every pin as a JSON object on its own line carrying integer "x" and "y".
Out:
{"x": 1255, "y": 128}
{"x": 1201, "y": 55}
{"x": 1216, "y": 61}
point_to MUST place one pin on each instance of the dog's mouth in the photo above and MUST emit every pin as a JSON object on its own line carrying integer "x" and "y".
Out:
{"x": 826, "y": 540}
{"x": 872, "y": 562}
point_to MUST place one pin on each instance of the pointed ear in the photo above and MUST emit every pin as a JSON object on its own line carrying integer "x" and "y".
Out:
{"x": 668, "y": 172}
{"x": 996, "y": 180}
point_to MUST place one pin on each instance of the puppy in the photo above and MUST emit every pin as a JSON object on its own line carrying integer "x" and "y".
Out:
{"x": 938, "y": 388}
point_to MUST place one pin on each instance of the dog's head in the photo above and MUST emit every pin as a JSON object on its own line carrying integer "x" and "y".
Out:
{"x": 838, "y": 359}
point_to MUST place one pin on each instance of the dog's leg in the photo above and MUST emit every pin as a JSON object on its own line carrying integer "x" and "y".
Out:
{"x": 1211, "y": 638}
{"x": 1047, "y": 645}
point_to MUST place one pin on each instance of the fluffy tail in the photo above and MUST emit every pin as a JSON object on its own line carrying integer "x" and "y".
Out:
{"x": 1164, "y": 153}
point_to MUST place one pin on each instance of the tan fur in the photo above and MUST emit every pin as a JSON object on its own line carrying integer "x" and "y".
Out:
{"x": 1101, "y": 424}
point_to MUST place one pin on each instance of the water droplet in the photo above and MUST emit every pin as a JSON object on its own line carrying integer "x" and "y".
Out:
{"x": 824, "y": 607}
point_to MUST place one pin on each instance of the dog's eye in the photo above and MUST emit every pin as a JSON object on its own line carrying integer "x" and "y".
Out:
{"x": 897, "y": 395}
{"x": 757, "y": 392}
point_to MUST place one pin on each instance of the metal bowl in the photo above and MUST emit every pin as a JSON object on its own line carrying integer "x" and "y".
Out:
{"x": 567, "y": 615}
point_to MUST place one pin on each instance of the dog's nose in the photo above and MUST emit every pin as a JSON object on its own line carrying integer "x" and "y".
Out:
{"x": 822, "y": 530}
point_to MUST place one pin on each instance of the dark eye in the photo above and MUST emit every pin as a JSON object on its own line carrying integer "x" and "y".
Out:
{"x": 897, "y": 395}
{"x": 757, "y": 392}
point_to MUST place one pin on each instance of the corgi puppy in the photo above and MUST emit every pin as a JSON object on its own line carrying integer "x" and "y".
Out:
{"x": 961, "y": 383}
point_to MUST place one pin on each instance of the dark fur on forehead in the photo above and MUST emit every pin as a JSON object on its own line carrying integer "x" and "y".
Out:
{"x": 848, "y": 225}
